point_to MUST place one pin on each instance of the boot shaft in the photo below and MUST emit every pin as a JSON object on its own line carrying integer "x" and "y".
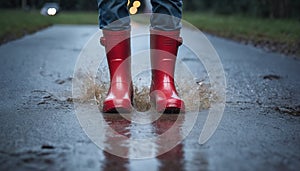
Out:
{"x": 164, "y": 47}
{"x": 118, "y": 52}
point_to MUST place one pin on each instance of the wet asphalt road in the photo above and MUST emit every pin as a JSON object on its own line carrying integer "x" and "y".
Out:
{"x": 40, "y": 131}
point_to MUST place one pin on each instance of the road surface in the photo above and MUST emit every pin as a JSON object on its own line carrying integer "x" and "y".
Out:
{"x": 40, "y": 131}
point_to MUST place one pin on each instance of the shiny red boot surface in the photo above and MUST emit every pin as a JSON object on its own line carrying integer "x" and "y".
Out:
{"x": 117, "y": 46}
{"x": 163, "y": 93}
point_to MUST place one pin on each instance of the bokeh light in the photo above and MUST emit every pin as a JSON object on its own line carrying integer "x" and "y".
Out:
{"x": 136, "y": 4}
{"x": 51, "y": 11}
{"x": 133, "y": 7}
{"x": 133, "y": 10}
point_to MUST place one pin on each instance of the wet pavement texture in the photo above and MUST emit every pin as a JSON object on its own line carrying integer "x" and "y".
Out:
{"x": 40, "y": 131}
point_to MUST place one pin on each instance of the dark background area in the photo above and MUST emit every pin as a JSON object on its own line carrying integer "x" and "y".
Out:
{"x": 37, "y": 4}
{"x": 257, "y": 8}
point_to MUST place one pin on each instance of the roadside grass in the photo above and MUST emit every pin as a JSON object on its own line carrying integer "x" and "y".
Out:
{"x": 17, "y": 23}
{"x": 274, "y": 34}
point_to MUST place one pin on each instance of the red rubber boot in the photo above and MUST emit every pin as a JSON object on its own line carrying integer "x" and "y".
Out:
{"x": 117, "y": 46}
{"x": 164, "y": 46}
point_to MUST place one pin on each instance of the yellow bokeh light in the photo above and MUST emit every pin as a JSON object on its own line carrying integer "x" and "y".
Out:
{"x": 133, "y": 10}
{"x": 136, "y": 4}
{"x": 128, "y": 2}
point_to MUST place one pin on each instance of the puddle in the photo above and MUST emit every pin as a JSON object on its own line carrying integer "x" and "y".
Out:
{"x": 294, "y": 111}
{"x": 47, "y": 147}
{"x": 63, "y": 81}
{"x": 46, "y": 100}
{"x": 271, "y": 77}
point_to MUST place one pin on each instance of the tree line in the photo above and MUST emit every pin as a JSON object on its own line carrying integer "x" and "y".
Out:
{"x": 37, "y": 4}
{"x": 257, "y": 8}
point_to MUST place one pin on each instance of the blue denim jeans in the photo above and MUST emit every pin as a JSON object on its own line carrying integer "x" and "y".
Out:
{"x": 113, "y": 14}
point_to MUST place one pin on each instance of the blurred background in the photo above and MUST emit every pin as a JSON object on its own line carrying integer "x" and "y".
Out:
{"x": 258, "y": 8}
{"x": 273, "y": 25}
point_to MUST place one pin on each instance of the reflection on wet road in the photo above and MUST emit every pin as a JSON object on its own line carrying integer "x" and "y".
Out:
{"x": 171, "y": 160}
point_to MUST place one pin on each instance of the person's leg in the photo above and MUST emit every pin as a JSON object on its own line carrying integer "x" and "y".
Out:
{"x": 166, "y": 14}
{"x": 164, "y": 43}
{"x": 116, "y": 40}
{"x": 113, "y": 15}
